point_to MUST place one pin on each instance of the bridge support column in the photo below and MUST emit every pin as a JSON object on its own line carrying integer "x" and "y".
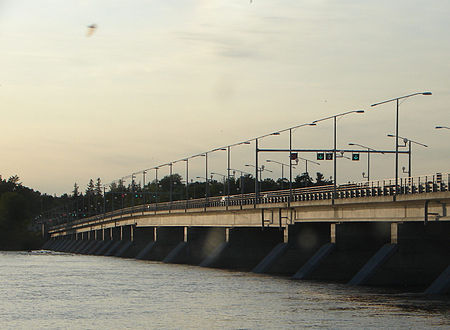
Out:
{"x": 58, "y": 243}
{"x": 72, "y": 240}
{"x": 353, "y": 244}
{"x": 107, "y": 235}
{"x": 144, "y": 239}
{"x": 61, "y": 243}
{"x": 83, "y": 242}
{"x": 422, "y": 255}
{"x": 125, "y": 249}
{"x": 246, "y": 247}
{"x": 98, "y": 242}
{"x": 116, "y": 235}
{"x": 91, "y": 242}
{"x": 79, "y": 242}
{"x": 167, "y": 238}
{"x": 198, "y": 244}
{"x": 301, "y": 241}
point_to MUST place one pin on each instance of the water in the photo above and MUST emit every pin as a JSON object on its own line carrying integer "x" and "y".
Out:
{"x": 60, "y": 291}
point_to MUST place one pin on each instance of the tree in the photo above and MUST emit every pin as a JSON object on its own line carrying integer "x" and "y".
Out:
{"x": 303, "y": 180}
{"x": 76, "y": 190}
{"x": 320, "y": 181}
{"x": 98, "y": 187}
{"x": 90, "y": 187}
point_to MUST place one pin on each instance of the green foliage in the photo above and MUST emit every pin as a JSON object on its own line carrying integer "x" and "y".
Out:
{"x": 18, "y": 204}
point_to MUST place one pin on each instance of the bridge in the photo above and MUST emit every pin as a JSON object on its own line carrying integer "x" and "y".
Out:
{"x": 371, "y": 233}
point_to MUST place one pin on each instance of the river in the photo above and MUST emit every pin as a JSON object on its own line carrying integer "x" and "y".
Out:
{"x": 47, "y": 290}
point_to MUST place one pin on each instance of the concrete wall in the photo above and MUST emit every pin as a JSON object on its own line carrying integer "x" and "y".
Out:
{"x": 304, "y": 240}
{"x": 423, "y": 254}
{"x": 247, "y": 247}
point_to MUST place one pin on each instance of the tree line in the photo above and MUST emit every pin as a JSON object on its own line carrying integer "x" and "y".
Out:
{"x": 18, "y": 207}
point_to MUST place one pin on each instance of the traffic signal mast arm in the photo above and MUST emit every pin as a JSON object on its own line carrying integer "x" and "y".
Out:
{"x": 337, "y": 150}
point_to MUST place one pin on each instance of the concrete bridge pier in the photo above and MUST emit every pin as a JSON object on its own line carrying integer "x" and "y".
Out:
{"x": 68, "y": 240}
{"x": 57, "y": 244}
{"x": 352, "y": 245}
{"x": 79, "y": 242}
{"x": 144, "y": 239}
{"x": 125, "y": 249}
{"x": 167, "y": 238}
{"x": 245, "y": 247}
{"x": 98, "y": 238}
{"x": 303, "y": 240}
{"x": 198, "y": 243}
{"x": 116, "y": 238}
{"x": 422, "y": 256}
{"x": 85, "y": 239}
{"x": 92, "y": 242}
{"x": 107, "y": 242}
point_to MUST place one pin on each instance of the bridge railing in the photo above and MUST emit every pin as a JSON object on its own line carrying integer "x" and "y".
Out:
{"x": 438, "y": 182}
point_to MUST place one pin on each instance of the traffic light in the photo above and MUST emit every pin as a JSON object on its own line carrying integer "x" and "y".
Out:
{"x": 355, "y": 156}
{"x": 320, "y": 156}
{"x": 329, "y": 156}
{"x": 294, "y": 155}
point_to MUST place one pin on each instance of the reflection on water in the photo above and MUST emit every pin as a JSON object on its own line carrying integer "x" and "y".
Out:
{"x": 56, "y": 290}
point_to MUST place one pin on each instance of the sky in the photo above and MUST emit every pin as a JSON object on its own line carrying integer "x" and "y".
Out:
{"x": 158, "y": 81}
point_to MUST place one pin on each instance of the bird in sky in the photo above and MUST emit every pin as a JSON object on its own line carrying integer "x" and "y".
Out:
{"x": 91, "y": 29}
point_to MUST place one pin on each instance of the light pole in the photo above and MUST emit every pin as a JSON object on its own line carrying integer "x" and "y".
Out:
{"x": 187, "y": 182}
{"x": 241, "y": 179}
{"x": 408, "y": 141}
{"x": 206, "y": 187}
{"x": 282, "y": 168}
{"x": 396, "y": 130}
{"x": 368, "y": 157}
{"x": 306, "y": 164}
{"x": 290, "y": 129}
{"x": 223, "y": 177}
{"x": 260, "y": 170}
{"x": 334, "y": 147}
{"x": 444, "y": 127}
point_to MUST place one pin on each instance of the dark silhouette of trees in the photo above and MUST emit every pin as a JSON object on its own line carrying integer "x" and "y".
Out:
{"x": 18, "y": 205}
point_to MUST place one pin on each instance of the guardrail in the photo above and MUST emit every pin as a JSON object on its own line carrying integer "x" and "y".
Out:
{"x": 410, "y": 185}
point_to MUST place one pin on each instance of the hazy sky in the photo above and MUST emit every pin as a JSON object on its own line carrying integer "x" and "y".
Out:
{"x": 161, "y": 80}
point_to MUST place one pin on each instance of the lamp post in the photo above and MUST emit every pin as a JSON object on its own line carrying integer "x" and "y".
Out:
{"x": 306, "y": 164}
{"x": 256, "y": 164}
{"x": 291, "y": 129}
{"x": 260, "y": 170}
{"x": 396, "y": 130}
{"x": 187, "y": 183}
{"x": 156, "y": 188}
{"x": 368, "y": 157}
{"x": 334, "y": 147}
{"x": 144, "y": 172}
{"x": 408, "y": 141}
{"x": 223, "y": 177}
{"x": 444, "y": 127}
{"x": 241, "y": 180}
{"x": 282, "y": 168}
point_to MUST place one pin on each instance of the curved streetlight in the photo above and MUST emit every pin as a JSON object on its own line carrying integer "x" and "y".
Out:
{"x": 407, "y": 141}
{"x": 334, "y": 148}
{"x": 260, "y": 170}
{"x": 396, "y": 99}
{"x": 444, "y": 127}
{"x": 306, "y": 163}
{"x": 282, "y": 168}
